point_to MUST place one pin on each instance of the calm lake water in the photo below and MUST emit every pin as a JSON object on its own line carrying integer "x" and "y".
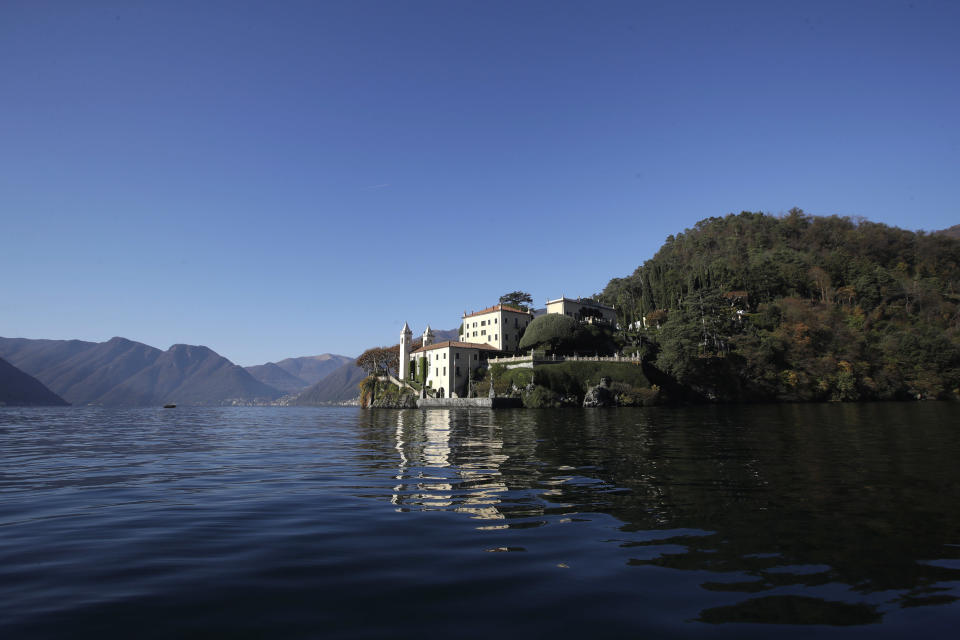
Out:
{"x": 656, "y": 523}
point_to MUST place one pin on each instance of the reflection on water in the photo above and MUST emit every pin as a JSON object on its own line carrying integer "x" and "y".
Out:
{"x": 430, "y": 478}
{"x": 655, "y": 522}
{"x": 833, "y": 515}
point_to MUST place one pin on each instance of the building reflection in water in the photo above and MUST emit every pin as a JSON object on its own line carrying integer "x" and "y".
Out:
{"x": 762, "y": 502}
{"x": 440, "y": 470}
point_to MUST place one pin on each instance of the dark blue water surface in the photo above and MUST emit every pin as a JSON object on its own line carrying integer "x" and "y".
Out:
{"x": 787, "y": 521}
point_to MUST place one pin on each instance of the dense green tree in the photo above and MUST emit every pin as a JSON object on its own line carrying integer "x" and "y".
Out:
{"x": 565, "y": 336}
{"x": 518, "y": 299}
{"x": 552, "y": 331}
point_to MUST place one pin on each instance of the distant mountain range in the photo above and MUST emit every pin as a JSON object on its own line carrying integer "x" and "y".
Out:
{"x": 293, "y": 375}
{"x": 953, "y": 232}
{"x": 20, "y": 389}
{"x": 124, "y": 372}
{"x": 442, "y": 335}
{"x": 339, "y": 386}
{"x": 121, "y": 372}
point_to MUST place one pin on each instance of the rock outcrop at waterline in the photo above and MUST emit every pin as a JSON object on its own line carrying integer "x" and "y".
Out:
{"x": 600, "y": 395}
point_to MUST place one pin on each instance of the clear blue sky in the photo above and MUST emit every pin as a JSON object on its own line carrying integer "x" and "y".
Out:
{"x": 276, "y": 179}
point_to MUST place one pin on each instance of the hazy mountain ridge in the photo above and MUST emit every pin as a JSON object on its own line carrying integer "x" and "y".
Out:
{"x": 124, "y": 372}
{"x": 313, "y": 369}
{"x": 21, "y": 389}
{"x": 94, "y": 372}
{"x": 339, "y": 386}
{"x": 953, "y": 232}
{"x": 293, "y": 375}
{"x": 277, "y": 378}
{"x": 442, "y": 335}
{"x": 38, "y": 356}
{"x": 187, "y": 374}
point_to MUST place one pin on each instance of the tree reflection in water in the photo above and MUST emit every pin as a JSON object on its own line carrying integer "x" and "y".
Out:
{"x": 800, "y": 514}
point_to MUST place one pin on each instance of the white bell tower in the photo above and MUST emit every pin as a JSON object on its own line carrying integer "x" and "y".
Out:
{"x": 404, "y": 367}
{"x": 428, "y": 336}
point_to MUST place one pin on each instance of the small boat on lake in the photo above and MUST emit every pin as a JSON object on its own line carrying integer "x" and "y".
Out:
{"x": 169, "y": 406}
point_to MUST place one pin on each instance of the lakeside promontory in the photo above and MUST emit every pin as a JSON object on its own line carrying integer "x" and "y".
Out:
{"x": 743, "y": 308}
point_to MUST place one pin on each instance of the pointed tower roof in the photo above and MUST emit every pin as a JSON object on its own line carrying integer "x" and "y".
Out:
{"x": 406, "y": 328}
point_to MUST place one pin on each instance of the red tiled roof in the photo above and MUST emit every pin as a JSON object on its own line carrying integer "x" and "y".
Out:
{"x": 458, "y": 345}
{"x": 496, "y": 307}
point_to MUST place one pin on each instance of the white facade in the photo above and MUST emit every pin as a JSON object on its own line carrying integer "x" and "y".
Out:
{"x": 448, "y": 365}
{"x": 583, "y": 310}
{"x": 499, "y": 326}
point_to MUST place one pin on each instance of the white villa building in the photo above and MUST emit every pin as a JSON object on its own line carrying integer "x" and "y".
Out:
{"x": 499, "y": 326}
{"x": 583, "y": 310}
{"x": 446, "y": 366}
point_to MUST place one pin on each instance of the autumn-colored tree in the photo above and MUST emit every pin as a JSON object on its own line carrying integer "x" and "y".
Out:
{"x": 379, "y": 361}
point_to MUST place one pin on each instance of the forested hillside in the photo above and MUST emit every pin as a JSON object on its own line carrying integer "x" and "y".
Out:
{"x": 953, "y": 232}
{"x": 758, "y": 307}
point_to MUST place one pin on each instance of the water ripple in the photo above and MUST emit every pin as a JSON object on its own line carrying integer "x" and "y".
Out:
{"x": 306, "y": 522}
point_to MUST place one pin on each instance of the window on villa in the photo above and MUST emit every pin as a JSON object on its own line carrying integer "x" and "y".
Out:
{"x": 494, "y": 336}
{"x": 474, "y": 333}
{"x": 494, "y": 321}
{"x": 516, "y": 322}
{"x": 444, "y": 371}
{"x": 474, "y": 356}
{"x": 483, "y": 332}
{"x": 456, "y": 356}
{"x": 444, "y": 356}
{"x": 436, "y": 371}
{"x": 458, "y": 372}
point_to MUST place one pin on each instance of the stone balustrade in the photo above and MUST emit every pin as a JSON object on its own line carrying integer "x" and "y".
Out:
{"x": 532, "y": 359}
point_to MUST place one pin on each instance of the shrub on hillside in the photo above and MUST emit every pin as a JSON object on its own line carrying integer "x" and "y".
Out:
{"x": 573, "y": 379}
{"x": 541, "y": 398}
{"x": 629, "y": 396}
{"x": 505, "y": 380}
{"x": 560, "y": 379}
